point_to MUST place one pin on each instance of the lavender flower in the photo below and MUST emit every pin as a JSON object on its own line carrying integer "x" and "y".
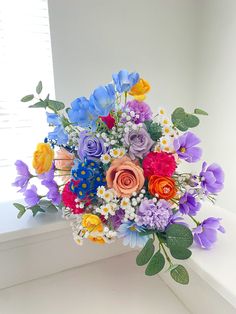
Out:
{"x": 188, "y": 204}
{"x": 23, "y": 176}
{"x": 53, "y": 193}
{"x": 141, "y": 109}
{"x": 139, "y": 142}
{"x": 31, "y": 196}
{"x": 116, "y": 219}
{"x": 154, "y": 216}
{"x": 205, "y": 235}
{"x": 212, "y": 178}
{"x": 185, "y": 147}
{"x": 48, "y": 176}
{"x": 90, "y": 146}
{"x": 177, "y": 219}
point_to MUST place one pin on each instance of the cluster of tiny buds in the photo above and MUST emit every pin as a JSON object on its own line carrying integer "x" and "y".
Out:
{"x": 109, "y": 233}
{"x": 108, "y": 140}
{"x": 73, "y": 134}
{"x": 79, "y": 204}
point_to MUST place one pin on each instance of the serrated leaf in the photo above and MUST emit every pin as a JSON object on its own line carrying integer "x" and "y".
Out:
{"x": 21, "y": 209}
{"x": 55, "y": 105}
{"x": 40, "y": 104}
{"x": 39, "y": 87}
{"x": 200, "y": 111}
{"x": 180, "y": 253}
{"x": 180, "y": 275}
{"x": 191, "y": 120}
{"x": 178, "y": 236}
{"x": 146, "y": 253}
{"x": 155, "y": 265}
{"x": 27, "y": 98}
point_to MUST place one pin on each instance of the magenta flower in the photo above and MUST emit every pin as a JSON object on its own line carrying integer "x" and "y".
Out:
{"x": 142, "y": 111}
{"x": 184, "y": 146}
{"x": 188, "y": 204}
{"x": 31, "y": 196}
{"x": 205, "y": 235}
{"x": 212, "y": 178}
{"x": 23, "y": 176}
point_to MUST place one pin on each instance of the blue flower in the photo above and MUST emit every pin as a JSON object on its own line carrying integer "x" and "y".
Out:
{"x": 59, "y": 135}
{"x": 102, "y": 100}
{"x": 129, "y": 231}
{"x": 80, "y": 113}
{"x": 125, "y": 80}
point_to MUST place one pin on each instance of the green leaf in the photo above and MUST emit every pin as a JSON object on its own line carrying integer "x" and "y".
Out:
{"x": 191, "y": 120}
{"x": 200, "y": 111}
{"x": 146, "y": 253}
{"x": 178, "y": 114}
{"x": 47, "y": 205}
{"x": 155, "y": 265}
{"x": 55, "y": 105}
{"x": 180, "y": 275}
{"x": 21, "y": 209}
{"x": 180, "y": 253}
{"x": 39, "y": 87}
{"x": 40, "y": 104}
{"x": 27, "y": 98}
{"x": 181, "y": 125}
{"x": 37, "y": 209}
{"x": 178, "y": 236}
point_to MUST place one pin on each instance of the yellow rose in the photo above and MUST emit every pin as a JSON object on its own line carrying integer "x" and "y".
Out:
{"x": 139, "y": 90}
{"x": 98, "y": 240}
{"x": 92, "y": 223}
{"x": 43, "y": 158}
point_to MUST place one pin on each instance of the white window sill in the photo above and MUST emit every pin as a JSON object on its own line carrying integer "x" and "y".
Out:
{"x": 215, "y": 267}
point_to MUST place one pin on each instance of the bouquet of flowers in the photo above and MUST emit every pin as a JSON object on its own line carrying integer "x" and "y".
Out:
{"x": 112, "y": 167}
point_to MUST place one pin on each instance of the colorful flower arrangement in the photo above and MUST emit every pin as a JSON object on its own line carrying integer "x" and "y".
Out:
{"x": 112, "y": 167}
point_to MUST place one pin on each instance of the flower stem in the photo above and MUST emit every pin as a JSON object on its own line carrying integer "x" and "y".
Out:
{"x": 193, "y": 219}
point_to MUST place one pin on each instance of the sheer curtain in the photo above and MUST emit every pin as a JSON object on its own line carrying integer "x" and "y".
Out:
{"x": 25, "y": 58}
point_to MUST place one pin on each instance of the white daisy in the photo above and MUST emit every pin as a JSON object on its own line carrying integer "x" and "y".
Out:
{"x": 125, "y": 203}
{"x": 161, "y": 111}
{"x": 115, "y": 152}
{"x": 105, "y": 158}
{"x": 108, "y": 195}
{"x": 122, "y": 152}
{"x": 101, "y": 191}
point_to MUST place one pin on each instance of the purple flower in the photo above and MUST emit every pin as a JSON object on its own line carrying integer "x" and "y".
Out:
{"x": 177, "y": 219}
{"x": 31, "y": 196}
{"x": 188, "y": 204}
{"x": 185, "y": 147}
{"x": 116, "y": 219}
{"x": 212, "y": 178}
{"x": 205, "y": 235}
{"x": 23, "y": 175}
{"x": 139, "y": 142}
{"x": 53, "y": 193}
{"x": 142, "y": 111}
{"x": 154, "y": 216}
{"x": 48, "y": 176}
{"x": 90, "y": 146}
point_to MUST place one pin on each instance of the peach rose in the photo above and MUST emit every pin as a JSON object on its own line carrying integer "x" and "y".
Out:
{"x": 43, "y": 158}
{"x": 163, "y": 186}
{"x": 125, "y": 177}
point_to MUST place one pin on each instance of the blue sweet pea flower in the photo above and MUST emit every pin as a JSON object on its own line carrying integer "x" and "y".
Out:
{"x": 59, "y": 135}
{"x": 102, "y": 100}
{"x": 80, "y": 113}
{"x": 53, "y": 119}
{"x": 124, "y": 80}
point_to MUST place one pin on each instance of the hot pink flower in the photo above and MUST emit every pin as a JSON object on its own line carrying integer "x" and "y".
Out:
{"x": 159, "y": 163}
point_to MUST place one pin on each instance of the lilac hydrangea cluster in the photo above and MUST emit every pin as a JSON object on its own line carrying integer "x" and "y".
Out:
{"x": 154, "y": 215}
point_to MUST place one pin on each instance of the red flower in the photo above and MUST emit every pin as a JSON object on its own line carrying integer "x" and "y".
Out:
{"x": 109, "y": 120}
{"x": 159, "y": 163}
{"x": 68, "y": 199}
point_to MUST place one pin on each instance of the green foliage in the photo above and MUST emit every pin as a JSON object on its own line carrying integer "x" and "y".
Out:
{"x": 154, "y": 129}
{"x": 36, "y": 209}
{"x": 180, "y": 274}
{"x": 39, "y": 104}
{"x": 39, "y": 87}
{"x": 21, "y": 209}
{"x": 146, "y": 253}
{"x": 156, "y": 264}
{"x": 178, "y": 236}
{"x": 27, "y": 98}
{"x": 180, "y": 253}
{"x": 200, "y": 111}
{"x": 47, "y": 205}
{"x": 183, "y": 121}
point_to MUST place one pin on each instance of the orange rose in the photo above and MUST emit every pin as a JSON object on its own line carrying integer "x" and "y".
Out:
{"x": 43, "y": 158}
{"x": 140, "y": 89}
{"x": 163, "y": 186}
{"x": 125, "y": 177}
{"x": 65, "y": 163}
{"x": 92, "y": 223}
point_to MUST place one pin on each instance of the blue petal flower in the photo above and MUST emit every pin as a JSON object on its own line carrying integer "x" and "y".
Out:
{"x": 80, "y": 113}
{"x": 53, "y": 119}
{"x": 124, "y": 81}
{"x": 129, "y": 231}
{"x": 102, "y": 101}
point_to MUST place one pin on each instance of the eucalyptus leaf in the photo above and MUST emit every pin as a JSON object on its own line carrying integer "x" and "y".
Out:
{"x": 146, "y": 253}
{"x": 200, "y": 111}
{"x": 180, "y": 275}
{"x": 21, "y": 209}
{"x": 55, "y": 105}
{"x": 191, "y": 120}
{"x": 178, "y": 236}
{"x": 178, "y": 114}
{"x": 27, "y": 98}
{"x": 180, "y": 253}
{"x": 39, "y": 87}
{"x": 39, "y": 104}
{"x": 37, "y": 209}
{"x": 181, "y": 125}
{"x": 155, "y": 265}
